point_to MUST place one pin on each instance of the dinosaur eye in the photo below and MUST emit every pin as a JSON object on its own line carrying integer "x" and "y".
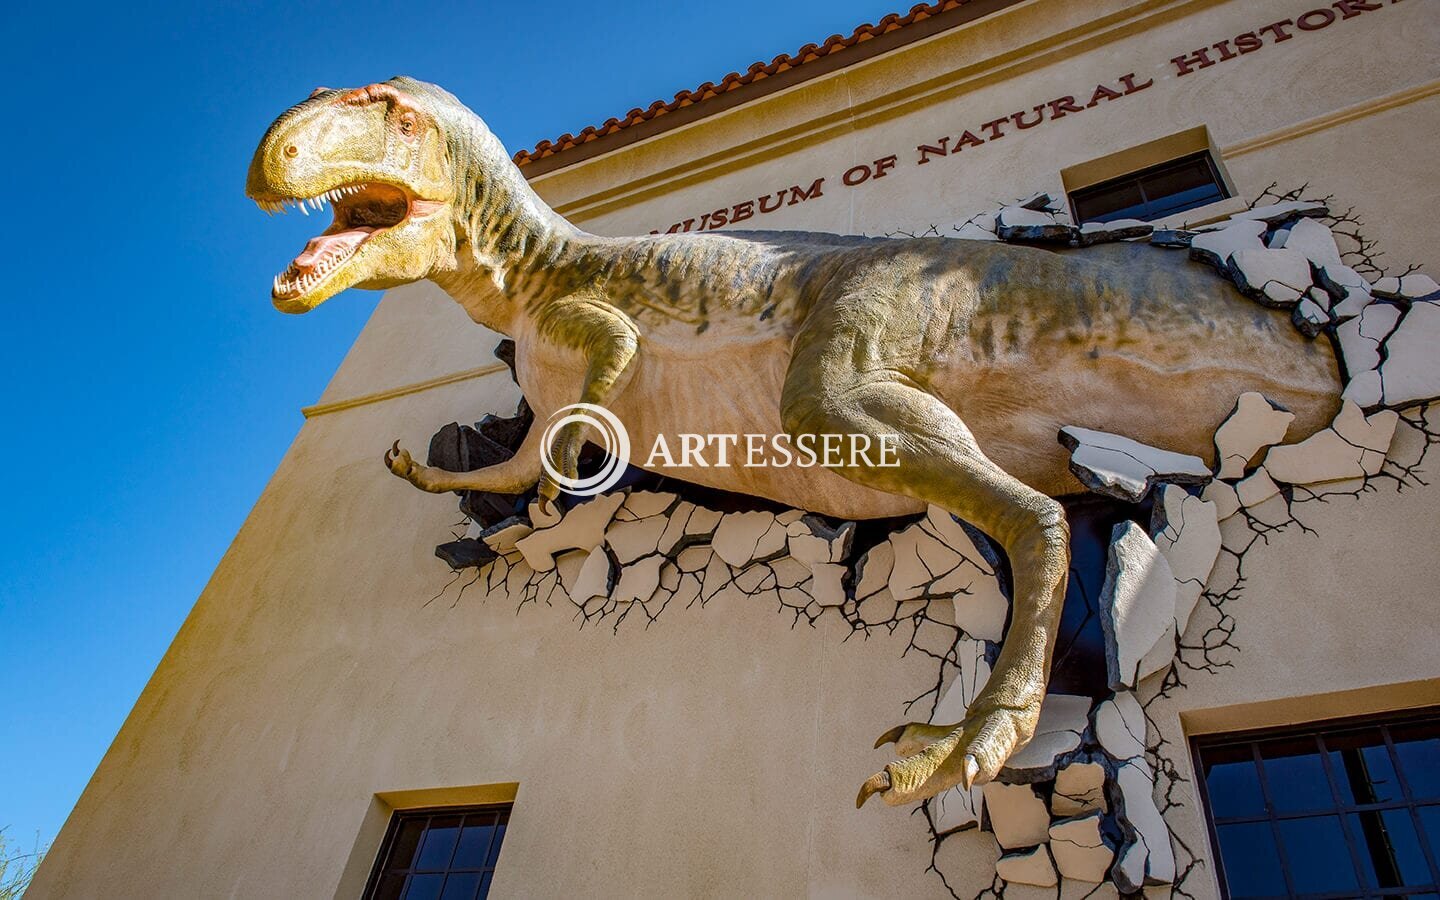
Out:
{"x": 407, "y": 124}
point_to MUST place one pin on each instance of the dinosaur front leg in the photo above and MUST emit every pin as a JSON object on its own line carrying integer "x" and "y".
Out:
{"x": 608, "y": 340}
{"x": 940, "y": 463}
{"x": 513, "y": 476}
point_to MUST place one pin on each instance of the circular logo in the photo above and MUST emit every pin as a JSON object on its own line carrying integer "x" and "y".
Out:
{"x": 614, "y": 440}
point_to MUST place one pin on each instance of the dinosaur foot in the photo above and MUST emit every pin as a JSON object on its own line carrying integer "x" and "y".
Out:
{"x": 938, "y": 757}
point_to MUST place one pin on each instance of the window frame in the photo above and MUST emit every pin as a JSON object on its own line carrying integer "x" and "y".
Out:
{"x": 1383, "y": 722}
{"x": 1136, "y": 178}
{"x": 399, "y": 816}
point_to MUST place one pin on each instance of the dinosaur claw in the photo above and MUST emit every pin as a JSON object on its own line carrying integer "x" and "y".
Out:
{"x": 969, "y": 771}
{"x": 890, "y": 737}
{"x": 875, "y": 784}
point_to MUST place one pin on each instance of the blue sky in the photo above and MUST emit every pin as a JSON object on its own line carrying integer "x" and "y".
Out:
{"x": 149, "y": 387}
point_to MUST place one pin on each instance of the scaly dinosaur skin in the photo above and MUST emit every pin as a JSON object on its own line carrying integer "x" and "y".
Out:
{"x": 951, "y": 345}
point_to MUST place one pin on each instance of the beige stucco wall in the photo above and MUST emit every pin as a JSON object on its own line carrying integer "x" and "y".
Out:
{"x": 717, "y": 752}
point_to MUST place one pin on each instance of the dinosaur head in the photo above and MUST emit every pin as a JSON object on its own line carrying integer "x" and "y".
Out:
{"x": 381, "y": 157}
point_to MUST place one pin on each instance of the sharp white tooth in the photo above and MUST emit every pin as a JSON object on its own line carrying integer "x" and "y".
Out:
{"x": 305, "y": 210}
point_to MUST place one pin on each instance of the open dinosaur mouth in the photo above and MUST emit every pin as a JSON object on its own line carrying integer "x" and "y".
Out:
{"x": 361, "y": 211}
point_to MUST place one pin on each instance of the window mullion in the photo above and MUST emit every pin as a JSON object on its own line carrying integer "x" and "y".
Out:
{"x": 1274, "y": 823}
{"x": 1340, "y": 807}
{"x": 1413, "y": 807}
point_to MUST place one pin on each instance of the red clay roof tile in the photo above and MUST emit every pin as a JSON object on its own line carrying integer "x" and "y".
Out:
{"x": 735, "y": 80}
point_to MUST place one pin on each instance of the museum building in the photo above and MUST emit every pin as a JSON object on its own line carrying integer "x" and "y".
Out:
{"x": 668, "y": 691}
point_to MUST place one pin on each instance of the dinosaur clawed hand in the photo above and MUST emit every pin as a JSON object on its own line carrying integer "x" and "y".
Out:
{"x": 937, "y": 757}
{"x": 400, "y": 464}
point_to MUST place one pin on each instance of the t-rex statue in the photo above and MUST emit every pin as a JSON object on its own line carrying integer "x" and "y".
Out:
{"x": 973, "y": 354}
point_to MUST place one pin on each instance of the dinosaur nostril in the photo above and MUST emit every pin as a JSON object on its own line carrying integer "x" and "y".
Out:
{"x": 291, "y": 150}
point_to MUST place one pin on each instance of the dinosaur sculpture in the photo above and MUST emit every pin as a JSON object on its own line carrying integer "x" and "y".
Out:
{"x": 973, "y": 354}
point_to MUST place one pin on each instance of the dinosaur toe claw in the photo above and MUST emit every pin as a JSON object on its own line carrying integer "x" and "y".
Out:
{"x": 969, "y": 771}
{"x": 878, "y": 783}
{"x": 890, "y": 736}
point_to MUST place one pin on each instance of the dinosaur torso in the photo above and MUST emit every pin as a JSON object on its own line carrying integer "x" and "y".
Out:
{"x": 1018, "y": 340}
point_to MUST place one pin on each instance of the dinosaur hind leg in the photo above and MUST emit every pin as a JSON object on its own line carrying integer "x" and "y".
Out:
{"x": 940, "y": 463}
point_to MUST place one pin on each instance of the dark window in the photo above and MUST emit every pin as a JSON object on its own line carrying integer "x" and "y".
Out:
{"x": 1346, "y": 808}
{"x": 439, "y": 854}
{"x": 1152, "y": 193}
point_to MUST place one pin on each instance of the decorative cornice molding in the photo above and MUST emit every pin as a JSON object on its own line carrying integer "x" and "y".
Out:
{"x": 1332, "y": 119}
{"x": 321, "y": 409}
